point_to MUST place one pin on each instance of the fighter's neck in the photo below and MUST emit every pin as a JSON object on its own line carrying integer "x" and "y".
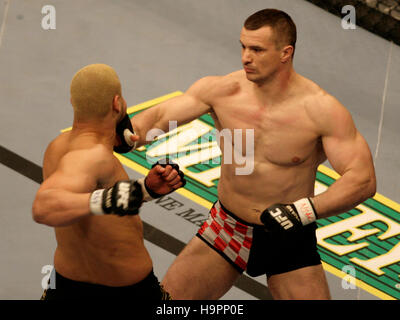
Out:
{"x": 277, "y": 88}
{"x": 100, "y": 131}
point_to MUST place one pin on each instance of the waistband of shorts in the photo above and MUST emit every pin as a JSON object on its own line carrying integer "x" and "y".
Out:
{"x": 62, "y": 281}
{"x": 234, "y": 216}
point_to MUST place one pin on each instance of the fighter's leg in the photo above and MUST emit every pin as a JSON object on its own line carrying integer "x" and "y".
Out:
{"x": 199, "y": 273}
{"x": 307, "y": 283}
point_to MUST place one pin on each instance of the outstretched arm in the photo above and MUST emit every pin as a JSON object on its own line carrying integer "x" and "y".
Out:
{"x": 183, "y": 109}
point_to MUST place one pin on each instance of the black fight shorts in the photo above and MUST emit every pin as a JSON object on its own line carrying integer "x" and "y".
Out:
{"x": 148, "y": 289}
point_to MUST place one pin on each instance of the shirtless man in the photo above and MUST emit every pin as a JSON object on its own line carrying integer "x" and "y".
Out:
{"x": 89, "y": 200}
{"x": 264, "y": 222}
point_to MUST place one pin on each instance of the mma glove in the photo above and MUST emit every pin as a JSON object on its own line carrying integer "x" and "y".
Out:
{"x": 126, "y": 197}
{"x": 289, "y": 217}
{"x": 124, "y": 131}
{"x": 163, "y": 162}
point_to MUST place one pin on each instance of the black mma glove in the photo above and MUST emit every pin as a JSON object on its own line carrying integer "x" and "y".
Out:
{"x": 124, "y": 131}
{"x": 124, "y": 198}
{"x": 289, "y": 217}
{"x": 164, "y": 163}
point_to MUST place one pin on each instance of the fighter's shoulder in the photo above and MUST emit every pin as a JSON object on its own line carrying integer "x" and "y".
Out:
{"x": 327, "y": 113}
{"x": 66, "y": 146}
{"x": 96, "y": 160}
{"x": 55, "y": 150}
{"x": 58, "y": 144}
{"x": 322, "y": 106}
{"x": 92, "y": 154}
{"x": 218, "y": 86}
{"x": 231, "y": 83}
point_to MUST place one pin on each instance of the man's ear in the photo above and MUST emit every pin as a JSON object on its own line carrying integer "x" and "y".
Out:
{"x": 116, "y": 104}
{"x": 286, "y": 54}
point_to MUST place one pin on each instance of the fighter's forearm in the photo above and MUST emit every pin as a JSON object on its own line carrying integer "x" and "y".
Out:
{"x": 161, "y": 118}
{"x": 57, "y": 208}
{"x": 344, "y": 194}
{"x": 143, "y": 122}
{"x": 155, "y": 121}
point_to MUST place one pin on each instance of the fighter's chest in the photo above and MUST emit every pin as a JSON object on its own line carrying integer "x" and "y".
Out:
{"x": 283, "y": 135}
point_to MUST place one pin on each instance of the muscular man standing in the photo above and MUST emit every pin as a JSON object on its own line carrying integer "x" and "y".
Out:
{"x": 264, "y": 222}
{"x": 89, "y": 200}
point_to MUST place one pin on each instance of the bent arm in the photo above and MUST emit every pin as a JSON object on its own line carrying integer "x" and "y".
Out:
{"x": 182, "y": 109}
{"x": 63, "y": 198}
{"x": 58, "y": 207}
{"x": 350, "y": 156}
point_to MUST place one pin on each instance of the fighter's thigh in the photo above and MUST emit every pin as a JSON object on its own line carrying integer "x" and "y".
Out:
{"x": 199, "y": 273}
{"x": 305, "y": 283}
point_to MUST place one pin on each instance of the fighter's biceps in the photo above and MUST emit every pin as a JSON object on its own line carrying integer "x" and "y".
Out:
{"x": 69, "y": 182}
{"x": 340, "y": 153}
{"x": 173, "y": 109}
{"x": 188, "y": 108}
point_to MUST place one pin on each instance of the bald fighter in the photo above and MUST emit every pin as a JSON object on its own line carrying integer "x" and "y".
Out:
{"x": 264, "y": 222}
{"x": 93, "y": 205}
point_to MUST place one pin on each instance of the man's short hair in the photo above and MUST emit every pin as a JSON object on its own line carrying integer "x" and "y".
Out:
{"x": 281, "y": 23}
{"x": 93, "y": 89}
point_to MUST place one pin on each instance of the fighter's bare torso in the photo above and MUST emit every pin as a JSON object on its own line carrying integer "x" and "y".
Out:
{"x": 107, "y": 250}
{"x": 287, "y": 143}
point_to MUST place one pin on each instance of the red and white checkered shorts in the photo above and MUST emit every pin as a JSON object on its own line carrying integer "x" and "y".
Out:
{"x": 228, "y": 235}
{"x": 247, "y": 247}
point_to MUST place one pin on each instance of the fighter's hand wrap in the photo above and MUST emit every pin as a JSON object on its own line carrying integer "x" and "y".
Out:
{"x": 124, "y": 198}
{"x": 289, "y": 217}
{"x": 124, "y": 131}
{"x": 146, "y": 190}
{"x": 164, "y": 163}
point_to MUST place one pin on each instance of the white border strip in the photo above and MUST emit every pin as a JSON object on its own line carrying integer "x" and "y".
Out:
{"x": 3, "y": 25}
{"x": 383, "y": 102}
